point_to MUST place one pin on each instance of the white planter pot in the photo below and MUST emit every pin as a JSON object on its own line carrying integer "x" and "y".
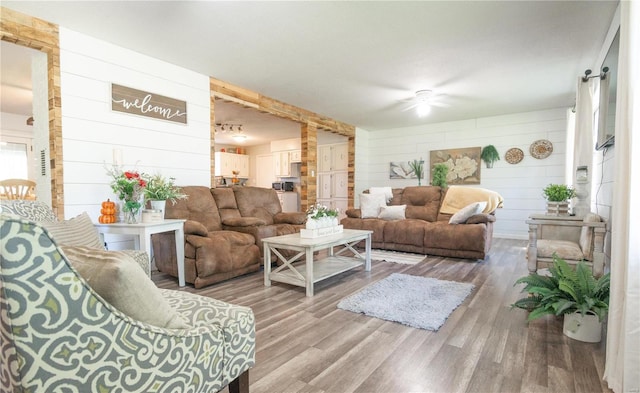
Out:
{"x": 580, "y": 327}
{"x": 159, "y": 205}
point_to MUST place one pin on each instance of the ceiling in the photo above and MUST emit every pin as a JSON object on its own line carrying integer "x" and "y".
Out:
{"x": 361, "y": 62}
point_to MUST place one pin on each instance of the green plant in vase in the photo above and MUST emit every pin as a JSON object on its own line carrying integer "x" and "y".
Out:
{"x": 439, "y": 175}
{"x": 558, "y": 193}
{"x": 417, "y": 166}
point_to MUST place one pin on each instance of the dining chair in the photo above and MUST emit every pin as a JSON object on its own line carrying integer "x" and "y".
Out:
{"x": 17, "y": 188}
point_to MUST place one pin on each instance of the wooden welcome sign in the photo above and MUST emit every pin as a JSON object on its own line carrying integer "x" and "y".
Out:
{"x": 142, "y": 103}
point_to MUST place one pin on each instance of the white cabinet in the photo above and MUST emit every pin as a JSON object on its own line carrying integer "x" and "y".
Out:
{"x": 295, "y": 156}
{"x": 333, "y": 157}
{"x": 226, "y": 163}
{"x": 333, "y": 185}
{"x": 281, "y": 164}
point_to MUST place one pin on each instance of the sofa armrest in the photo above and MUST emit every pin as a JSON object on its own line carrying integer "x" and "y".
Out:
{"x": 192, "y": 227}
{"x": 353, "y": 213}
{"x": 294, "y": 218}
{"x": 243, "y": 222}
{"x": 481, "y": 218}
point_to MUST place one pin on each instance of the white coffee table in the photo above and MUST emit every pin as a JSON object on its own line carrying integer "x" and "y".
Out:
{"x": 142, "y": 239}
{"x": 308, "y": 272}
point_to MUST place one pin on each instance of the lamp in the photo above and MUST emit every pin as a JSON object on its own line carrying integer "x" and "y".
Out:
{"x": 239, "y": 137}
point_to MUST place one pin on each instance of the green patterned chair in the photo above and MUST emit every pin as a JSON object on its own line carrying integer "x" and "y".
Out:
{"x": 58, "y": 334}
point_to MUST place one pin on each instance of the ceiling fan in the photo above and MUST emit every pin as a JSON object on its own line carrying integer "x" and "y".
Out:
{"x": 423, "y": 101}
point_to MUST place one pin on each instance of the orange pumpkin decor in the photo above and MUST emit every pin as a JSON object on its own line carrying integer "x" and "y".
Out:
{"x": 108, "y": 212}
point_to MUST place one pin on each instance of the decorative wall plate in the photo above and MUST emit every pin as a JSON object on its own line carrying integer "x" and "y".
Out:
{"x": 541, "y": 149}
{"x": 514, "y": 155}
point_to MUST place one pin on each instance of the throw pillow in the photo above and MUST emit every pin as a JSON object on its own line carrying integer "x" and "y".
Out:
{"x": 77, "y": 231}
{"x": 119, "y": 280}
{"x": 463, "y": 214}
{"x": 388, "y": 193}
{"x": 392, "y": 212}
{"x": 370, "y": 204}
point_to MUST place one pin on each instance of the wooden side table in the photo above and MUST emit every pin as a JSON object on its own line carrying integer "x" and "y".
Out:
{"x": 142, "y": 237}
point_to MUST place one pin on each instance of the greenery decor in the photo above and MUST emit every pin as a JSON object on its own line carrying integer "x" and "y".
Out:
{"x": 558, "y": 193}
{"x": 160, "y": 188}
{"x": 489, "y": 155}
{"x": 318, "y": 211}
{"x": 417, "y": 166}
{"x": 439, "y": 175}
{"x": 566, "y": 290}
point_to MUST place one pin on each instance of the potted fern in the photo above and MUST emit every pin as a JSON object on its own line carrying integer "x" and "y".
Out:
{"x": 572, "y": 292}
{"x": 489, "y": 155}
{"x": 557, "y": 196}
{"x": 439, "y": 175}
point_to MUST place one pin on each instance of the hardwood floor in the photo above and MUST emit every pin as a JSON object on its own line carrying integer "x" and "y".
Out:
{"x": 309, "y": 345}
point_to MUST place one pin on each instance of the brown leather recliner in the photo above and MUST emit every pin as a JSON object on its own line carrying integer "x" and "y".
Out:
{"x": 256, "y": 211}
{"x": 212, "y": 253}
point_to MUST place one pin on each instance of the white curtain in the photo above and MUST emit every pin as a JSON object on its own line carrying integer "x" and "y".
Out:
{"x": 583, "y": 145}
{"x": 622, "y": 368}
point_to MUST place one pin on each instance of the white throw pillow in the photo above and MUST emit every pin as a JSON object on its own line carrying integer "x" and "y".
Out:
{"x": 388, "y": 193}
{"x": 370, "y": 204}
{"x": 392, "y": 212}
{"x": 463, "y": 214}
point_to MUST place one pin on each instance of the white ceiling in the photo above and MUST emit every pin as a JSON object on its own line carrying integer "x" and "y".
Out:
{"x": 361, "y": 62}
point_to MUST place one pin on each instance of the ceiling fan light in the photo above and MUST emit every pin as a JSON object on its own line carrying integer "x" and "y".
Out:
{"x": 423, "y": 109}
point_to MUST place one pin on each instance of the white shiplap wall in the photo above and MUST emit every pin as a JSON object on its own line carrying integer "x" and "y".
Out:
{"x": 91, "y": 131}
{"x": 520, "y": 184}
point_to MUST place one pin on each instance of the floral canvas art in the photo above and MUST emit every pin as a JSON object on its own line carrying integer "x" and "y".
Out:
{"x": 464, "y": 164}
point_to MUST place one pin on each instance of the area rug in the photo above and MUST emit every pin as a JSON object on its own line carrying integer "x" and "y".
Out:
{"x": 419, "y": 302}
{"x": 396, "y": 257}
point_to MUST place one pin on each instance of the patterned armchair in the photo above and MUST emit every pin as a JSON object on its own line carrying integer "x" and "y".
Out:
{"x": 58, "y": 334}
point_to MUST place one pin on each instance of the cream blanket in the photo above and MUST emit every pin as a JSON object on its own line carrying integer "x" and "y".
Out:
{"x": 458, "y": 197}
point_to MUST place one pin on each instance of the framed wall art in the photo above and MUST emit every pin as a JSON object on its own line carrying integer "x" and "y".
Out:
{"x": 464, "y": 164}
{"x": 401, "y": 170}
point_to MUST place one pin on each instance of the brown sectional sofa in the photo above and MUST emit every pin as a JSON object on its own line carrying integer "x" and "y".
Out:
{"x": 426, "y": 229}
{"x": 223, "y": 232}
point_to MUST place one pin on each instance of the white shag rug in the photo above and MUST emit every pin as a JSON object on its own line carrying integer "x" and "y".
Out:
{"x": 396, "y": 256}
{"x": 419, "y": 302}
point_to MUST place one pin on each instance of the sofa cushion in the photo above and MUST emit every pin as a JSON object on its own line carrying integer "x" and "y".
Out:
{"x": 388, "y": 193}
{"x": 77, "y": 231}
{"x": 370, "y": 204}
{"x": 422, "y": 202}
{"x": 200, "y": 207}
{"x": 119, "y": 280}
{"x": 462, "y": 215}
{"x": 258, "y": 202}
{"x": 226, "y": 201}
{"x": 243, "y": 222}
{"x": 293, "y": 218}
{"x": 442, "y": 235}
{"x": 568, "y": 249}
{"x": 392, "y": 212}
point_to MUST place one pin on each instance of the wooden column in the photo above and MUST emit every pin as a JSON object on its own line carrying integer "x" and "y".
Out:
{"x": 212, "y": 143}
{"x": 43, "y": 36}
{"x": 309, "y": 168}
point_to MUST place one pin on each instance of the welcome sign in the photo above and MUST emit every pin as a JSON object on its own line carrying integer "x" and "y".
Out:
{"x": 142, "y": 103}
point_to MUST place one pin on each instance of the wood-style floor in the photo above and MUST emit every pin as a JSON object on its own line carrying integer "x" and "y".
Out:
{"x": 309, "y": 345}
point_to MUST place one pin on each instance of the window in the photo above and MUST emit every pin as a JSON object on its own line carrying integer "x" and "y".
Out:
{"x": 15, "y": 158}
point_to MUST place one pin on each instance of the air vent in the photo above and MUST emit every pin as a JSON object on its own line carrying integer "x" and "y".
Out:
{"x": 43, "y": 163}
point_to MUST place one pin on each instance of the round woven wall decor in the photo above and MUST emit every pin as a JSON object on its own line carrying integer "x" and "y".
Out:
{"x": 541, "y": 149}
{"x": 514, "y": 155}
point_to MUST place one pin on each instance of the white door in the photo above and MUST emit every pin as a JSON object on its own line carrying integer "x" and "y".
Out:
{"x": 265, "y": 174}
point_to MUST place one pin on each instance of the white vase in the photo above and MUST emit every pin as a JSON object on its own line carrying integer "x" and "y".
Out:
{"x": 159, "y": 205}
{"x": 587, "y": 328}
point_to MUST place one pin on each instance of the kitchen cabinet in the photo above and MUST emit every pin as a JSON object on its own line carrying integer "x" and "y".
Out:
{"x": 281, "y": 164}
{"x": 226, "y": 163}
{"x": 295, "y": 156}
